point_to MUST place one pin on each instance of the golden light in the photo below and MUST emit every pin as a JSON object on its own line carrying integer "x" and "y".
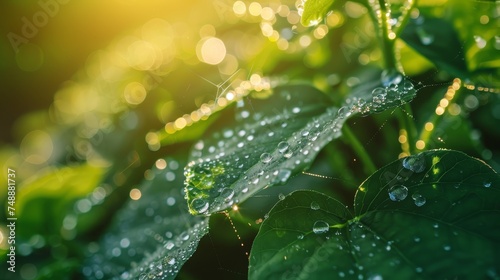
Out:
{"x": 135, "y": 194}
{"x": 429, "y": 126}
{"x": 235, "y": 207}
{"x": 267, "y": 14}
{"x": 211, "y": 50}
{"x": 255, "y": 9}
{"x": 161, "y": 164}
{"x": 239, "y": 8}
{"x": 420, "y": 144}
{"x": 134, "y": 93}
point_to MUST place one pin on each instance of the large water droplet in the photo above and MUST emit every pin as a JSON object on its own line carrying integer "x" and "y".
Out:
{"x": 398, "y": 192}
{"x": 415, "y": 163}
{"x": 283, "y": 146}
{"x": 314, "y": 205}
{"x": 320, "y": 227}
{"x": 418, "y": 199}
{"x": 344, "y": 112}
{"x": 227, "y": 194}
{"x": 391, "y": 77}
{"x": 265, "y": 158}
{"x": 199, "y": 205}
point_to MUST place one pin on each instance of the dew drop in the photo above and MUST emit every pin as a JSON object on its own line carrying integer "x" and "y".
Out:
{"x": 265, "y": 157}
{"x": 487, "y": 184}
{"x": 425, "y": 38}
{"x": 184, "y": 236}
{"x": 296, "y": 110}
{"x": 447, "y": 248}
{"x": 415, "y": 163}
{"x": 281, "y": 176}
{"x": 380, "y": 91}
{"x": 227, "y": 194}
{"x": 315, "y": 205}
{"x": 283, "y": 146}
{"x": 288, "y": 154}
{"x": 418, "y": 199}
{"x": 398, "y": 192}
{"x": 344, "y": 112}
{"x": 199, "y": 205}
{"x": 391, "y": 77}
{"x": 281, "y": 196}
{"x": 320, "y": 227}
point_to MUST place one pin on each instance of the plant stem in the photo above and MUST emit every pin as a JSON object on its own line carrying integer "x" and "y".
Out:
{"x": 405, "y": 119}
{"x": 405, "y": 17}
{"x": 359, "y": 149}
{"x": 387, "y": 39}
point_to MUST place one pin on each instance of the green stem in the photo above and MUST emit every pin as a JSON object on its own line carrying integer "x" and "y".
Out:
{"x": 385, "y": 37}
{"x": 353, "y": 141}
{"x": 405, "y": 119}
{"x": 405, "y": 17}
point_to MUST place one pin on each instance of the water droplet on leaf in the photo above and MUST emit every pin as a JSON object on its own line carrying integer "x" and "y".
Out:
{"x": 415, "y": 163}
{"x": 391, "y": 77}
{"x": 282, "y": 146}
{"x": 265, "y": 158}
{"x": 314, "y": 205}
{"x": 320, "y": 227}
{"x": 398, "y": 192}
{"x": 199, "y": 205}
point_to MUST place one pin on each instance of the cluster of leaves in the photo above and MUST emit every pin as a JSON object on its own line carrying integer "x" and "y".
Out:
{"x": 434, "y": 200}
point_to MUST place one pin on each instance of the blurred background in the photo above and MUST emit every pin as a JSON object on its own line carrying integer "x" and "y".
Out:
{"x": 95, "y": 92}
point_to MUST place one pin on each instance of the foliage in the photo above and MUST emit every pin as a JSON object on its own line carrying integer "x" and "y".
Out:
{"x": 282, "y": 150}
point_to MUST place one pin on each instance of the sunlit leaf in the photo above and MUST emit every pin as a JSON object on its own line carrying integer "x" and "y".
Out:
{"x": 434, "y": 215}
{"x": 440, "y": 45}
{"x": 314, "y": 11}
{"x": 275, "y": 138}
{"x": 151, "y": 237}
{"x": 43, "y": 201}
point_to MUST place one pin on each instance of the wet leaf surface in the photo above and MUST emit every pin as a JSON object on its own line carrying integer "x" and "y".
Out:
{"x": 432, "y": 215}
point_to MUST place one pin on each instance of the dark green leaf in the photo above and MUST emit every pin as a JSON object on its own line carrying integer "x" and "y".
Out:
{"x": 152, "y": 237}
{"x": 434, "y": 215}
{"x": 274, "y": 139}
{"x": 437, "y": 40}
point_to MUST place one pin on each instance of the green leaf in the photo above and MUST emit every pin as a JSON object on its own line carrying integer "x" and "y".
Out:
{"x": 151, "y": 237}
{"x": 438, "y": 41}
{"x": 275, "y": 138}
{"x": 434, "y": 215}
{"x": 314, "y": 11}
{"x": 189, "y": 133}
{"x": 42, "y": 200}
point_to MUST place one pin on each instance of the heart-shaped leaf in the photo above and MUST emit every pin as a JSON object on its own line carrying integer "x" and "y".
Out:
{"x": 153, "y": 236}
{"x": 434, "y": 215}
{"x": 275, "y": 138}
